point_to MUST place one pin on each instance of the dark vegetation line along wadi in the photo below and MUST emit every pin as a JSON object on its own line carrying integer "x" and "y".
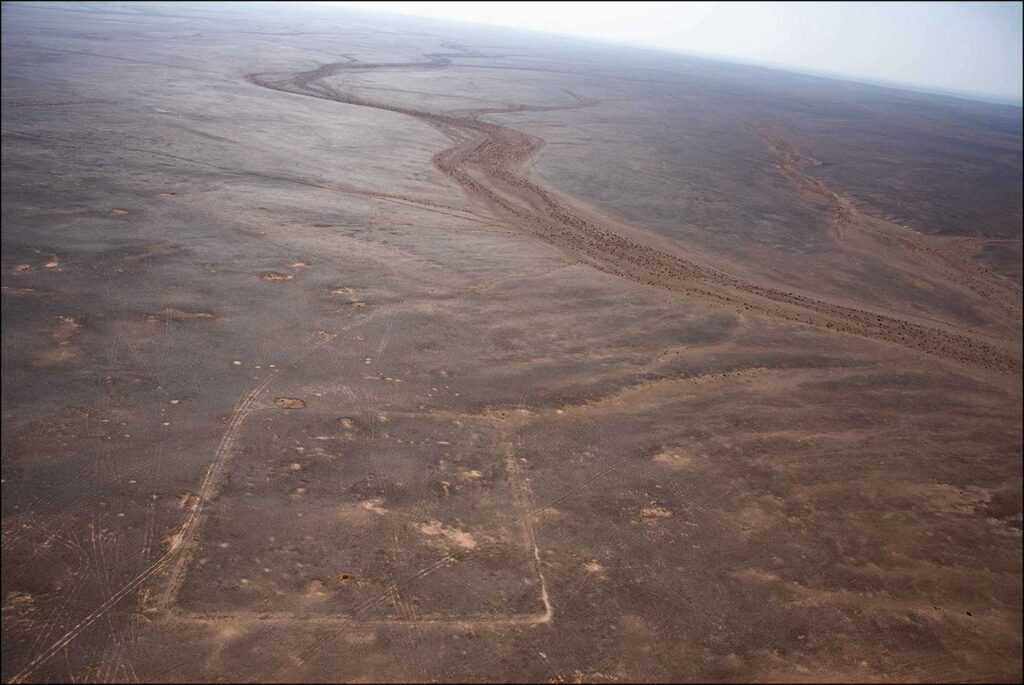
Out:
{"x": 487, "y": 161}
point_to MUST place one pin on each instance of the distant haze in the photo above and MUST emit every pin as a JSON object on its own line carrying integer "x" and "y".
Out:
{"x": 957, "y": 47}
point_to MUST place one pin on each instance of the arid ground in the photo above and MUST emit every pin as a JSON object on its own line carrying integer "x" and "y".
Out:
{"x": 339, "y": 347}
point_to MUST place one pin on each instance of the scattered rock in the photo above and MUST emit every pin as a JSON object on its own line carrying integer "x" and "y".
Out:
{"x": 16, "y": 290}
{"x": 18, "y": 599}
{"x": 290, "y": 403}
{"x": 180, "y": 315}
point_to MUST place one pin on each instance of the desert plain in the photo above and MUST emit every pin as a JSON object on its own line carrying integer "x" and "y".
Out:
{"x": 349, "y": 347}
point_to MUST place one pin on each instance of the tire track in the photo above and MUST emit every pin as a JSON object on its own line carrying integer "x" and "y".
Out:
{"x": 180, "y": 545}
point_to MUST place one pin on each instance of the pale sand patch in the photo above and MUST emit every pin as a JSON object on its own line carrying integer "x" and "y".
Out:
{"x": 453, "y": 535}
{"x": 656, "y": 512}
{"x": 674, "y": 457}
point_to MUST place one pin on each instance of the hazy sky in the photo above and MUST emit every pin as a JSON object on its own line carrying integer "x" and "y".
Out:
{"x": 963, "y": 47}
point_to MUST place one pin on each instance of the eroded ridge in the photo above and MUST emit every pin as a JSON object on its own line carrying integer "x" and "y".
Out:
{"x": 487, "y": 161}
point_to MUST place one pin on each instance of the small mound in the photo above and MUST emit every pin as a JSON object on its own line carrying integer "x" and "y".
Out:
{"x": 275, "y": 276}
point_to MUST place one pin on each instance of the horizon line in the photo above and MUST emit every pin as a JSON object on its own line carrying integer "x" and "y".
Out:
{"x": 973, "y": 96}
